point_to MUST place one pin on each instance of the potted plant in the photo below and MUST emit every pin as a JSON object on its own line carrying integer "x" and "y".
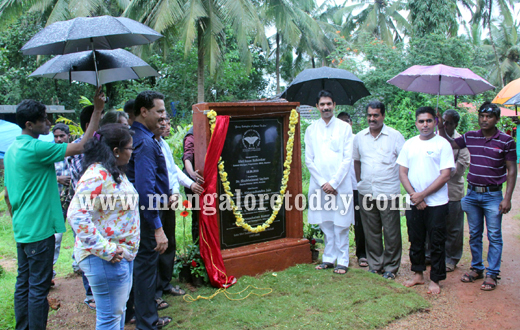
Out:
{"x": 314, "y": 234}
{"x": 182, "y": 267}
{"x": 199, "y": 275}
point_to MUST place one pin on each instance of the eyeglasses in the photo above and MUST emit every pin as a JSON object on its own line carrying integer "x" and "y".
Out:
{"x": 130, "y": 148}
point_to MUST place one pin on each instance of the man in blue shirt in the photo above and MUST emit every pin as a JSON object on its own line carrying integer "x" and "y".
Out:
{"x": 148, "y": 172}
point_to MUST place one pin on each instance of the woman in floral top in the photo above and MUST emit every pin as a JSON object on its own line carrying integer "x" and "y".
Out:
{"x": 105, "y": 217}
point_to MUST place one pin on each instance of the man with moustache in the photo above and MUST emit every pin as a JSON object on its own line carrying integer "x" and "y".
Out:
{"x": 32, "y": 199}
{"x": 493, "y": 162}
{"x": 375, "y": 152}
{"x": 148, "y": 172}
{"x": 425, "y": 163}
{"x": 328, "y": 155}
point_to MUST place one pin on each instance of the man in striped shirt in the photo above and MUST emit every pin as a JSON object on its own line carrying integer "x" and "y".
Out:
{"x": 493, "y": 162}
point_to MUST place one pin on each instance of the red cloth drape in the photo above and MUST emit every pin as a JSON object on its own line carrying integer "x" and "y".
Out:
{"x": 208, "y": 228}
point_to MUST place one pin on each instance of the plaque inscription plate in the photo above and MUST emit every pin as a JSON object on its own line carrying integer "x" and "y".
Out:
{"x": 253, "y": 159}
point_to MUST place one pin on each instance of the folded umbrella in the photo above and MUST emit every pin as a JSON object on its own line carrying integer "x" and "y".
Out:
{"x": 89, "y": 33}
{"x": 344, "y": 85}
{"x": 112, "y": 65}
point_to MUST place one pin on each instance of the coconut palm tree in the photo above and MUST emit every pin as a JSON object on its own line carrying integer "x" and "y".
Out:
{"x": 508, "y": 50}
{"x": 203, "y": 22}
{"x": 60, "y": 10}
{"x": 483, "y": 15}
{"x": 380, "y": 19}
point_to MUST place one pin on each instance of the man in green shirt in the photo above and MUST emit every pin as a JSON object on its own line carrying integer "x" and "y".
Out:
{"x": 33, "y": 201}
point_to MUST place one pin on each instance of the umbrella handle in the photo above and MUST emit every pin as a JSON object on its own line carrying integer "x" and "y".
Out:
{"x": 95, "y": 62}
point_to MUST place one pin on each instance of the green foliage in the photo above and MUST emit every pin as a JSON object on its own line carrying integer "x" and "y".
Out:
{"x": 74, "y": 128}
{"x": 505, "y": 124}
{"x": 306, "y": 175}
{"x": 433, "y": 16}
{"x": 402, "y": 118}
{"x": 15, "y": 83}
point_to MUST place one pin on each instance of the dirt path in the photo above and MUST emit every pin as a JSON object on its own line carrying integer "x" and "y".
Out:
{"x": 464, "y": 305}
{"x": 459, "y": 306}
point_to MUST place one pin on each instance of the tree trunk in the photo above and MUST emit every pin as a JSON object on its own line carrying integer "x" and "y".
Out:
{"x": 277, "y": 63}
{"x": 494, "y": 48}
{"x": 200, "y": 64}
{"x": 313, "y": 64}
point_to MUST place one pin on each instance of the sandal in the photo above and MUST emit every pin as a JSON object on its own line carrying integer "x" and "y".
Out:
{"x": 450, "y": 268}
{"x": 389, "y": 275}
{"x": 490, "y": 283}
{"x": 324, "y": 265}
{"x": 161, "y": 304}
{"x": 473, "y": 275}
{"x": 90, "y": 302}
{"x": 363, "y": 262}
{"x": 175, "y": 291}
{"x": 339, "y": 268}
{"x": 163, "y": 321}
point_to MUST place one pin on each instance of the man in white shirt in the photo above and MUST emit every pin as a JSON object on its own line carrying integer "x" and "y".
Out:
{"x": 328, "y": 155}
{"x": 167, "y": 259}
{"x": 375, "y": 153}
{"x": 425, "y": 163}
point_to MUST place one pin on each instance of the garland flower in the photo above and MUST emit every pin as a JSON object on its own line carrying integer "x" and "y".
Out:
{"x": 293, "y": 120}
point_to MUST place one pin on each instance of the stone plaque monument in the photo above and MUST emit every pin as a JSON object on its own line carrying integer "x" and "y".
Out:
{"x": 254, "y": 153}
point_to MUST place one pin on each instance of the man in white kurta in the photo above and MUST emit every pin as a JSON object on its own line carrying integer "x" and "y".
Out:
{"x": 328, "y": 155}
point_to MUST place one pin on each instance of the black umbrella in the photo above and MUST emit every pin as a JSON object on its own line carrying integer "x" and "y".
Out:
{"x": 88, "y": 33}
{"x": 112, "y": 65}
{"x": 344, "y": 85}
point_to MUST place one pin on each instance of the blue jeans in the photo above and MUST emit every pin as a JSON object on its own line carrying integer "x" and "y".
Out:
{"x": 477, "y": 207}
{"x": 110, "y": 284}
{"x": 33, "y": 283}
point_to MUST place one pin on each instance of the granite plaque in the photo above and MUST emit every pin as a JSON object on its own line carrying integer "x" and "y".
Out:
{"x": 253, "y": 158}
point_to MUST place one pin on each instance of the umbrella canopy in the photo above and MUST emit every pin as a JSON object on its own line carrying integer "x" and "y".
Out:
{"x": 344, "y": 85}
{"x": 515, "y": 100}
{"x": 88, "y": 33}
{"x": 440, "y": 80}
{"x": 112, "y": 65}
{"x": 508, "y": 92}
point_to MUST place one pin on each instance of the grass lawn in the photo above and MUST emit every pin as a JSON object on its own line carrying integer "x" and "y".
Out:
{"x": 302, "y": 297}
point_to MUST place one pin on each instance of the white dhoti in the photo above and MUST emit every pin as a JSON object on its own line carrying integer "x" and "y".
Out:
{"x": 328, "y": 155}
{"x": 336, "y": 243}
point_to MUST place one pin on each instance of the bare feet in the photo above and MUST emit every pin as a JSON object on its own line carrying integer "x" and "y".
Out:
{"x": 434, "y": 288}
{"x": 417, "y": 279}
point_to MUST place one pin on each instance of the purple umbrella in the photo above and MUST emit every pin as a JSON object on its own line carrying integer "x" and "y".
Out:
{"x": 440, "y": 80}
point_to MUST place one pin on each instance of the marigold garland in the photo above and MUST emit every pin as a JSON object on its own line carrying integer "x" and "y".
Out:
{"x": 293, "y": 120}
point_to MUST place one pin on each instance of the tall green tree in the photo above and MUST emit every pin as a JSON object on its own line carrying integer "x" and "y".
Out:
{"x": 508, "y": 50}
{"x": 380, "y": 18}
{"x": 483, "y": 15}
{"x": 60, "y": 10}
{"x": 433, "y": 16}
{"x": 283, "y": 15}
{"x": 203, "y": 22}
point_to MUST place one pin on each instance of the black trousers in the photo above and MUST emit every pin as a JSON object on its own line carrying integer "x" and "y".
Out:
{"x": 432, "y": 222}
{"x": 359, "y": 234}
{"x": 167, "y": 259}
{"x": 145, "y": 279}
